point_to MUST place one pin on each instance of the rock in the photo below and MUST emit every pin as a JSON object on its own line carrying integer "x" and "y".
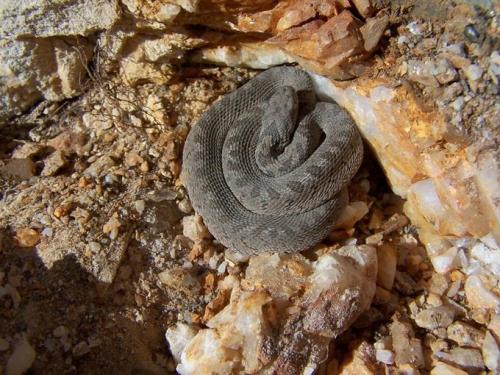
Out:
{"x": 469, "y": 360}
{"x": 353, "y": 212}
{"x": 17, "y": 169}
{"x": 178, "y": 336}
{"x": 364, "y": 7}
{"x": 54, "y": 163}
{"x": 387, "y": 260}
{"x": 438, "y": 284}
{"x": 181, "y": 279}
{"x": 60, "y": 331}
{"x": 478, "y": 296}
{"x": 98, "y": 167}
{"x": 473, "y": 72}
{"x": 68, "y": 142}
{"x": 465, "y": 335}
{"x": 27, "y": 237}
{"x": 384, "y": 356}
{"x": 362, "y": 361}
{"x": 435, "y": 317}
{"x": 35, "y": 69}
{"x": 373, "y": 30}
{"x": 294, "y": 294}
{"x": 408, "y": 349}
{"x": 81, "y": 349}
{"x": 445, "y": 369}
{"x": 445, "y": 262}
{"x": 37, "y": 18}
{"x": 21, "y": 358}
{"x": 423, "y": 72}
{"x": 445, "y": 72}
{"x": 491, "y": 353}
{"x": 194, "y": 229}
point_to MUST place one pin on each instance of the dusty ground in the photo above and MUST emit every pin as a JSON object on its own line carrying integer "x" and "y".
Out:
{"x": 94, "y": 265}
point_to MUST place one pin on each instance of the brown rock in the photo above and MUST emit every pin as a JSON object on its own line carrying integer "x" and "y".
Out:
{"x": 364, "y": 7}
{"x": 387, "y": 260}
{"x": 408, "y": 349}
{"x": 469, "y": 360}
{"x": 18, "y": 169}
{"x": 54, "y": 163}
{"x": 373, "y": 30}
{"x": 435, "y": 317}
{"x": 68, "y": 142}
{"x": 27, "y": 237}
{"x": 465, "y": 335}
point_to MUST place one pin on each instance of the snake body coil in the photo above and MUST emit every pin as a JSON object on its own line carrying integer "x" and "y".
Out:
{"x": 267, "y": 165}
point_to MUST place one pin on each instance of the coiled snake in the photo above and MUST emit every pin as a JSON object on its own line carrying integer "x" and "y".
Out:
{"x": 267, "y": 165}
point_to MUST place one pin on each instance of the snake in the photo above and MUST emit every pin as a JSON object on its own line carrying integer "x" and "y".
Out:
{"x": 267, "y": 165}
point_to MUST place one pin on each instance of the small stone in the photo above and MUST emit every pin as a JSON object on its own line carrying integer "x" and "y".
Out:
{"x": 465, "y": 335}
{"x": 435, "y": 317}
{"x": 478, "y": 296}
{"x": 27, "y": 237}
{"x": 384, "y": 356}
{"x": 19, "y": 169}
{"x": 444, "y": 369}
{"x": 373, "y": 30}
{"x": 94, "y": 247}
{"x": 54, "y": 163}
{"x": 491, "y": 353}
{"x": 434, "y": 300}
{"x": 422, "y": 72}
{"x": 446, "y": 72}
{"x": 374, "y": 239}
{"x": 471, "y": 33}
{"x": 438, "y": 284}
{"x": 194, "y": 229}
{"x": 185, "y": 206}
{"x": 68, "y": 142}
{"x": 81, "y": 349}
{"x": 445, "y": 262}
{"x": 469, "y": 360}
{"x": 387, "y": 260}
{"x": 473, "y": 72}
{"x": 21, "y": 359}
{"x": 112, "y": 226}
{"x": 140, "y": 206}
{"x": 180, "y": 279}
{"x": 4, "y": 345}
{"x": 354, "y": 212}
{"x": 60, "y": 331}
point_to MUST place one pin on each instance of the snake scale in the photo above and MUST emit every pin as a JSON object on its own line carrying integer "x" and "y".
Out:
{"x": 268, "y": 164}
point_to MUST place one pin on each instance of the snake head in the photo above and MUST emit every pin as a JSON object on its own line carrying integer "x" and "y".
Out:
{"x": 280, "y": 118}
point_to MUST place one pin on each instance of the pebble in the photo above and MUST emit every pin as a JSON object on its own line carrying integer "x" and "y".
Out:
{"x": 81, "y": 349}
{"x": 54, "y": 163}
{"x": 478, "y": 296}
{"x": 435, "y": 317}
{"x": 465, "y": 335}
{"x": 473, "y": 72}
{"x": 194, "y": 229}
{"x": 60, "y": 331}
{"x": 445, "y": 262}
{"x": 387, "y": 260}
{"x": 469, "y": 360}
{"x": 21, "y": 359}
{"x": 444, "y": 369}
{"x": 140, "y": 206}
{"x": 422, "y": 72}
{"x": 384, "y": 356}
{"x": 27, "y": 237}
{"x": 491, "y": 353}
{"x": 438, "y": 284}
